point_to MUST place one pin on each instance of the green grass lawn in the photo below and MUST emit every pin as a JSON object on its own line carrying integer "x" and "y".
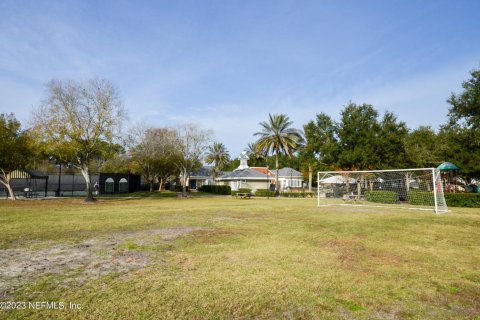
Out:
{"x": 247, "y": 258}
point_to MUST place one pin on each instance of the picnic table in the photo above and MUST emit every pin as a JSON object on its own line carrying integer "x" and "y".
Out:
{"x": 29, "y": 193}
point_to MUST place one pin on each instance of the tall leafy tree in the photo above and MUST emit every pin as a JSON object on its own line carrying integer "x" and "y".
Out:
{"x": 460, "y": 136}
{"x": 465, "y": 110}
{"x": 15, "y": 149}
{"x": 392, "y": 138}
{"x": 120, "y": 163}
{"x": 232, "y": 165}
{"x": 154, "y": 152}
{"x": 191, "y": 147}
{"x": 141, "y": 140}
{"x": 357, "y": 134}
{"x": 218, "y": 155}
{"x": 166, "y": 153}
{"x": 359, "y": 141}
{"x": 278, "y": 137}
{"x": 422, "y": 147}
{"x": 80, "y": 122}
{"x": 320, "y": 147}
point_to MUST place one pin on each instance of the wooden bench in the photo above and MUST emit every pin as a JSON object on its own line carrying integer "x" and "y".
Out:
{"x": 243, "y": 195}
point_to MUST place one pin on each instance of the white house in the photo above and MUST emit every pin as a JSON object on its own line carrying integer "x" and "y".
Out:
{"x": 203, "y": 176}
{"x": 289, "y": 179}
{"x": 260, "y": 177}
{"x": 246, "y": 177}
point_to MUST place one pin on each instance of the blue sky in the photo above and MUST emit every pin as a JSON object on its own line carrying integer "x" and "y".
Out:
{"x": 227, "y": 64}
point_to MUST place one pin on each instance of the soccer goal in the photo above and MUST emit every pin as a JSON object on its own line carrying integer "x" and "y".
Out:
{"x": 409, "y": 188}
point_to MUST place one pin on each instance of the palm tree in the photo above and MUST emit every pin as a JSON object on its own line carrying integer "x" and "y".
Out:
{"x": 279, "y": 138}
{"x": 255, "y": 155}
{"x": 219, "y": 156}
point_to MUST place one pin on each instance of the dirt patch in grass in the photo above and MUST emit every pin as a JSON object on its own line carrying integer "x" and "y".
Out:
{"x": 352, "y": 252}
{"x": 119, "y": 252}
{"x": 215, "y": 236}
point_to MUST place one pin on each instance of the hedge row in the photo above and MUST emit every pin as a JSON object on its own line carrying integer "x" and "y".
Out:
{"x": 305, "y": 194}
{"x": 146, "y": 187}
{"x": 264, "y": 193}
{"x": 242, "y": 190}
{"x": 468, "y": 200}
{"x": 381, "y": 196}
{"x": 420, "y": 198}
{"x": 225, "y": 190}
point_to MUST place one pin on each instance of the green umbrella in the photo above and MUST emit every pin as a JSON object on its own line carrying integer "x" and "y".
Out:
{"x": 447, "y": 166}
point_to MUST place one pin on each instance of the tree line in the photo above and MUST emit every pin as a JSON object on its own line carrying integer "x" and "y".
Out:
{"x": 80, "y": 123}
{"x": 363, "y": 140}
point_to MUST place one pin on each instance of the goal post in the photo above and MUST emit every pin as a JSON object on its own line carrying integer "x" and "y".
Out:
{"x": 418, "y": 188}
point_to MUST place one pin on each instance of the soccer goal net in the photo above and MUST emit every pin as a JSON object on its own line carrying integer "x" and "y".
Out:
{"x": 409, "y": 188}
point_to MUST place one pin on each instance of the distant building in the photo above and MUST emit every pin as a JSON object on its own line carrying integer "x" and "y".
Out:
{"x": 110, "y": 183}
{"x": 289, "y": 179}
{"x": 245, "y": 177}
{"x": 253, "y": 178}
{"x": 203, "y": 176}
{"x": 248, "y": 178}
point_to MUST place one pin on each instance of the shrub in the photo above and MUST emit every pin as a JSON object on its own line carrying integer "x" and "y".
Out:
{"x": 225, "y": 190}
{"x": 420, "y": 198}
{"x": 468, "y": 200}
{"x": 264, "y": 193}
{"x": 146, "y": 186}
{"x": 291, "y": 195}
{"x": 304, "y": 194}
{"x": 242, "y": 190}
{"x": 178, "y": 188}
{"x": 382, "y": 196}
{"x": 154, "y": 194}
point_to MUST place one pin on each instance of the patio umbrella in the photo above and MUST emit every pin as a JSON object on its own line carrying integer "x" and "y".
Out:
{"x": 449, "y": 172}
{"x": 337, "y": 180}
{"x": 447, "y": 166}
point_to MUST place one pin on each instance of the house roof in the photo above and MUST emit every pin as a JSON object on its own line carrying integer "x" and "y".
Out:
{"x": 263, "y": 170}
{"x": 244, "y": 174}
{"x": 259, "y": 173}
{"x": 204, "y": 171}
{"x": 289, "y": 172}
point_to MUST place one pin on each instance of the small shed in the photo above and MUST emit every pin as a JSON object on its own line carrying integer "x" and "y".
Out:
{"x": 111, "y": 183}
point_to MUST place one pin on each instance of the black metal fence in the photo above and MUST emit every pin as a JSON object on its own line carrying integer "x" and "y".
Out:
{"x": 69, "y": 185}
